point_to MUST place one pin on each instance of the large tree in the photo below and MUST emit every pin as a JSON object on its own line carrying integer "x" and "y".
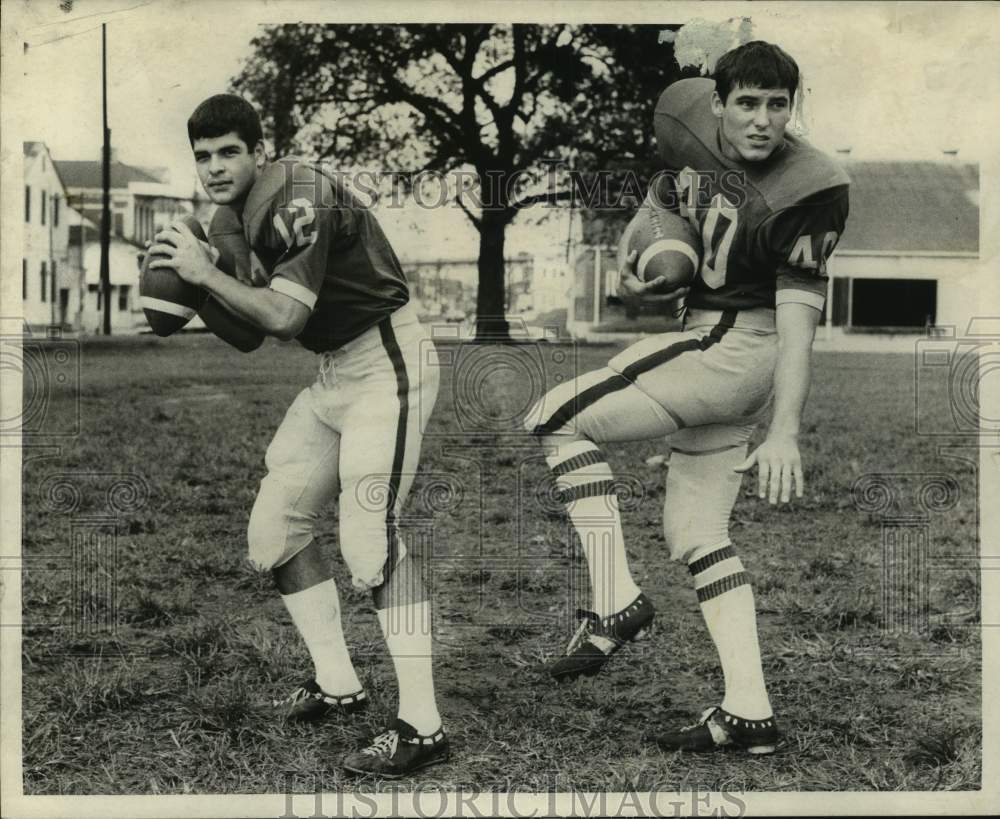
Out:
{"x": 503, "y": 101}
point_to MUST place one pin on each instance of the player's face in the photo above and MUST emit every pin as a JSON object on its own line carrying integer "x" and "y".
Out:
{"x": 227, "y": 167}
{"x": 753, "y": 121}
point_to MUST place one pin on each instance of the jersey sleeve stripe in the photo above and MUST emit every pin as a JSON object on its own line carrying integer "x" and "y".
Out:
{"x": 790, "y": 295}
{"x": 294, "y": 290}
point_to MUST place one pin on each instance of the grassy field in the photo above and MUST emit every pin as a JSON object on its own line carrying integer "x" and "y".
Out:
{"x": 153, "y": 684}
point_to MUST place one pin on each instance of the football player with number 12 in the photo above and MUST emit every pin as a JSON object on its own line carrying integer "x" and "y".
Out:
{"x": 323, "y": 272}
{"x": 769, "y": 209}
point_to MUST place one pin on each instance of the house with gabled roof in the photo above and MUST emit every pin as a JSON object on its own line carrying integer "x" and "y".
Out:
{"x": 142, "y": 202}
{"x": 909, "y": 257}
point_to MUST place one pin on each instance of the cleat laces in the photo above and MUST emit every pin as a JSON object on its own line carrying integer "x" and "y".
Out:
{"x": 719, "y": 734}
{"x": 383, "y": 745}
{"x": 705, "y": 716}
{"x": 296, "y": 697}
{"x": 589, "y": 620}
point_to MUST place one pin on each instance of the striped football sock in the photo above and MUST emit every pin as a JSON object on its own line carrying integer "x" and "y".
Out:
{"x": 586, "y": 486}
{"x": 727, "y": 605}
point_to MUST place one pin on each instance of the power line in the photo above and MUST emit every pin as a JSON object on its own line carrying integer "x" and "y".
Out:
{"x": 28, "y": 45}
{"x": 104, "y": 14}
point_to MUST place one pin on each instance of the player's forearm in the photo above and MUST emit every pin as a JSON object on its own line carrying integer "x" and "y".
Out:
{"x": 260, "y": 306}
{"x": 228, "y": 306}
{"x": 793, "y": 368}
{"x": 791, "y": 389}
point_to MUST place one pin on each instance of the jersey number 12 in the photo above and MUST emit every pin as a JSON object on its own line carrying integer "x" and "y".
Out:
{"x": 303, "y": 231}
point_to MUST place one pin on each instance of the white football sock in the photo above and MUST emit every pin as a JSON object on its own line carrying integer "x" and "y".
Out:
{"x": 727, "y": 605}
{"x": 407, "y": 632}
{"x": 316, "y": 614}
{"x": 586, "y": 481}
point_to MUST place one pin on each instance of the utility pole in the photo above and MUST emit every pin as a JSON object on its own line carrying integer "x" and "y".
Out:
{"x": 52, "y": 260}
{"x": 106, "y": 183}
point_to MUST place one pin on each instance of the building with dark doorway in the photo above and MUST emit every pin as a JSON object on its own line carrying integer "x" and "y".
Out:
{"x": 909, "y": 257}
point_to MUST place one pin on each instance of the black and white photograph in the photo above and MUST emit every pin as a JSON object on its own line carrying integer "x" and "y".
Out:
{"x": 499, "y": 409}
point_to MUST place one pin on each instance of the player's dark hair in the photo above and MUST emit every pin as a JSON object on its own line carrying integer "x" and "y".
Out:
{"x": 756, "y": 64}
{"x": 222, "y": 114}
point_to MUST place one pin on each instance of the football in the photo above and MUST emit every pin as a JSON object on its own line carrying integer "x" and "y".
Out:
{"x": 667, "y": 245}
{"x": 168, "y": 301}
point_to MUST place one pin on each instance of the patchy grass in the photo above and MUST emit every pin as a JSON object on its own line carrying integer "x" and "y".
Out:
{"x": 159, "y": 687}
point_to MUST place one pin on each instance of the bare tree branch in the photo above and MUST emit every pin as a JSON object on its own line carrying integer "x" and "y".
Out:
{"x": 490, "y": 73}
{"x": 476, "y": 221}
{"x": 551, "y": 197}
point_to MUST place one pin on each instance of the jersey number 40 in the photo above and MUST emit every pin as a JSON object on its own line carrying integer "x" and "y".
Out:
{"x": 717, "y": 228}
{"x": 810, "y": 251}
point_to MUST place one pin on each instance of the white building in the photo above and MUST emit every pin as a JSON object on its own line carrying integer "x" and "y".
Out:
{"x": 123, "y": 271}
{"x": 910, "y": 254}
{"x": 142, "y": 202}
{"x": 49, "y": 283}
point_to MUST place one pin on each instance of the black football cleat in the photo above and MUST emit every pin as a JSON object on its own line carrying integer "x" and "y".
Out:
{"x": 399, "y": 751}
{"x": 720, "y": 729}
{"x": 600, "y": 637}
{"x": 309, "y": 703}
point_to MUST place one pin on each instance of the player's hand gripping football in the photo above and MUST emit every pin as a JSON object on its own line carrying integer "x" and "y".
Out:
{"x": 182, "y": 251}
{"x": 634, "y": 292}
{"x": 779, "y": 467}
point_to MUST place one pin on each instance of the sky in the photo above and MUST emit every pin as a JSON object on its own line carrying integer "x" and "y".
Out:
{"x": 887, "y": 80}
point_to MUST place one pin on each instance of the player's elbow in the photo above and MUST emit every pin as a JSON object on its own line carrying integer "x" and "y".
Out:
{"x": 284, "y": 329}
{"x": 287, "y": 319}
{"x": 796, "y": 325}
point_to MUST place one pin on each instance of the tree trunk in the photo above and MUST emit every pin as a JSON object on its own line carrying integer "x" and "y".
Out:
{"x": 491, "y": 320}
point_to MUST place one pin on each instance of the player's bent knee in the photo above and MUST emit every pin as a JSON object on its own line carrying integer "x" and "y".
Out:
{"x": 277, "y": 531}
{"x": 364, "y": 546}
{"x": 683, "y": 537}
{"x": 306, "y": 568}
{"x": 403, "y": 585}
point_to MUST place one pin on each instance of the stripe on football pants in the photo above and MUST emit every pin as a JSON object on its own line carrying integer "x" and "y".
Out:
{"x": 416, "y": 589}
{"x": 564, "y": 414}
{"x": 403, "y": 393}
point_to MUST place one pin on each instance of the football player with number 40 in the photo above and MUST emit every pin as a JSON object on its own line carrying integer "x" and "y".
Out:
{"x": 769, "y": 209}
{"x": 322, "y": 272}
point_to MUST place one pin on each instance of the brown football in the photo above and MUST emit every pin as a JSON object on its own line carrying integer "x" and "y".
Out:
{"x": 168, "y": 301}
{"x": 667, "y": 245}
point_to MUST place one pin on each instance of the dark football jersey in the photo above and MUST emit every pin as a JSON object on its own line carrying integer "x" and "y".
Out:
{"x": 231, "y": 253}
{"x": 767, "y": 227}
{"x": 313, "y": 241}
